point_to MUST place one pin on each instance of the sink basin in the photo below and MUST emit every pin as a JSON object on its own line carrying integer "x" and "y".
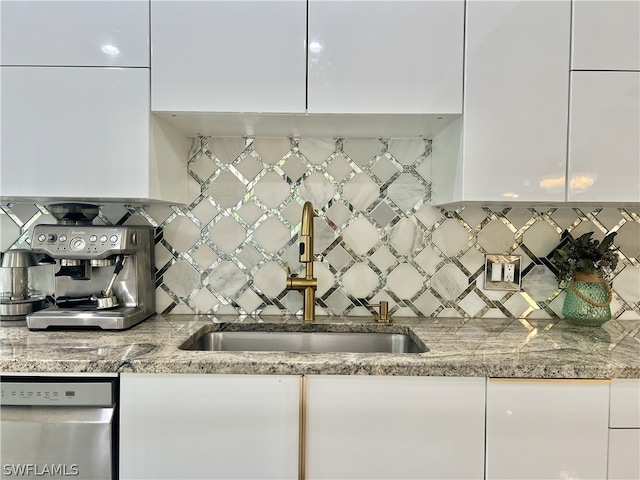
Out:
{"x": 270, "y": 341}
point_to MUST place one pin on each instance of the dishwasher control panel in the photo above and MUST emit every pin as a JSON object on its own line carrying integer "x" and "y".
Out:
{"x": 90, "y": 394}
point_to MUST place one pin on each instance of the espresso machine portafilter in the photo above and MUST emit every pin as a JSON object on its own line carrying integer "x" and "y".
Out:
{"x": 104, "y": 275}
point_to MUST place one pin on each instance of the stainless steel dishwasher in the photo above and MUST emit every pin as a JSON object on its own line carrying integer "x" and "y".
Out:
{"x": 58, "y": 427}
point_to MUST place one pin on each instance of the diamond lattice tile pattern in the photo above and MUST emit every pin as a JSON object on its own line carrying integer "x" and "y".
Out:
{"x": 376, "y": 235}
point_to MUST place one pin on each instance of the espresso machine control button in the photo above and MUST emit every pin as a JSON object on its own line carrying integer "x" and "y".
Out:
{"x": 93, "y": 238}
{"x": 103, "y": 238}
{"x": 62, "y": 238}
{"x": 77, "y": 244}
{"x": 113, "y": 238}
{"x": 42, "y": 237}
{"x": 52, "y": 237}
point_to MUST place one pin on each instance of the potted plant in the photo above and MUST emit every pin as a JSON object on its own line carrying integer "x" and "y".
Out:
{"x": 583, "y": 264}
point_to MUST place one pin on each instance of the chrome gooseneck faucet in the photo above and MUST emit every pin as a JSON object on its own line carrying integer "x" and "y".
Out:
{"x": 308, "y": 284}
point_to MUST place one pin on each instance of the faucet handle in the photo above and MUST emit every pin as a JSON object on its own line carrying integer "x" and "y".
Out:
{"x": 384, "y": 316}
{"x": 289, "y": 274}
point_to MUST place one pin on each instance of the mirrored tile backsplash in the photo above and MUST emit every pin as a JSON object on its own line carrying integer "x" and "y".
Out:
{"x": 376, "y": 236}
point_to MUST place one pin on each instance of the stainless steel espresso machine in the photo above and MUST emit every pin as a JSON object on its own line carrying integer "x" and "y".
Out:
{"x": 104, "y": 275}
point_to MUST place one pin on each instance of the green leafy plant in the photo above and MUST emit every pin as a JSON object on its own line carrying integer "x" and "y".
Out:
{"x": 584, "y": 255}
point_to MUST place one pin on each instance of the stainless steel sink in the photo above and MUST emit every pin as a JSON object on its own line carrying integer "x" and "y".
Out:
{"x": 270, "y": 341}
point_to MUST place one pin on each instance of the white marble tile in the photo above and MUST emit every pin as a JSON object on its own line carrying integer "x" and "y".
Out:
{"x": 270, "y": 279}
{"x": 317, "y": 189}
{"x": 317, "y": 150}
{"x": 227, "y": 234}
{"x": 9, "y": 232}
{"x": 627, "y": 284}
{"x": 429, "y": 215}
{"x": 472, "y": 260}
{"x": 204, "y": 301}
{"x": 384, "y": 169}
{"x": 404, "y": 281}
{"x": 407, "y": 151}
{"x": 250, "y": 212}
{"x": 204, "y": 211}
{"x": 496, "y": 237}
{"x": 406, "y": 192}
{"x": 326, "y": 279}
{"x": 249, "y": 301}
{"x": 250, "y": 257}
{"x": 272, "y": 235}
{"x": 449, "y": 282}
{"x": 227, "y": 149}
{"x": 539, "y": 283}
{"x": 361, "y": 236}
{"x": 227, "y": 190}
{"x": 272, "y": 150}
{"x": 541, "y": 238}
{"x": 405, "y": 237}
{"x": 163, "y": 300}
{"x": 628, "y": 239}
{"x": 362, "y": 150}
{"x": 428, "y": 259}
{"x": 361, "y": 191}
{"x": 338, "y": 213}
{"x": 426, "y": 303}
{"x": 383, "y": 258}
{"x": 517, "y": 305}
{"x": 383, "y": 214}
{"x": 519, "y": 217}
{"x": 337, "y": 302}
{"x": 472, "y": 304}
{"x": 203, "y": 167}
{"x": 162, "y": 255}
{"x": 204, "y": 256}
{"x": 227, "y": 279}
{"x": 451, "y": 237}
{"x": 182, "y": 279}
{"x": 272, "y": 190}
{"x": 473, "y": 215}
{"x": 181, "y": 233}
{"x": 360, "y": 281}
{"x": 323, "y": 235}
{"x": 294, "y": 168}
{"x": 249, "y": 167}
{"x": 338, "y": 257}
{"x": 339, "y": 168}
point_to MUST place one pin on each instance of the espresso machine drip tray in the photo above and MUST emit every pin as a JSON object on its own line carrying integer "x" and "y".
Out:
{"x": 86, "y": 317}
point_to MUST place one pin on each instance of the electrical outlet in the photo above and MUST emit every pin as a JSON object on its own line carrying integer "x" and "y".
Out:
{"x": 496, "y": 272}
{"x": 509, "y": 272}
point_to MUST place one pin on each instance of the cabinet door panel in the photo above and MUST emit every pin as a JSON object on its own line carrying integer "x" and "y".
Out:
{"x": 604, "y": 138}
{"x": 395, "y": 427}
{"x": 75, "y": 132}
{"x": 547, "y": 429}
{"x": 624, "y": 454}
{"x": 208, "y": 426}
{"x": 606, "y": 35}
{"x": 228, "y": 56}
{"x": 625, "y": 403}
{"x": 385, "y": 56}
{"x": 75, "y": 33}
{"x": 516, "y": 98}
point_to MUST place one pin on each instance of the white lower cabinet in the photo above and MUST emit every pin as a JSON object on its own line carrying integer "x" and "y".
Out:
{"x": 208, "y": 426}
{"x": 547, "y": 429}
{"x": 383, "y": 427}
{"x": 624, "y": 430}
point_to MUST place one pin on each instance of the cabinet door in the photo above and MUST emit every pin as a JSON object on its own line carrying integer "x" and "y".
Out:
{"x": 75, "y": 33}
{"x": 228, "y": 56}
{"x": 547, "y": 429}
{"x": 516, "y": 99}
{"x": 606, "y": 35}
{"x": 75, "y": 132}
{"x": 385, "y": 56}
{"x": 624, "y": 454}
{"x": 604, "y": 137}
{"x": 208, "y": 426}
{"x": 364, "y": 427}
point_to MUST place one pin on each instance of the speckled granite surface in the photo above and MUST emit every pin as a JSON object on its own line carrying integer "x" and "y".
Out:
{"x": 457, "y": 347}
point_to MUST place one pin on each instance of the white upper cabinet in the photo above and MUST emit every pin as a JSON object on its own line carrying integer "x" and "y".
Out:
{"x": 389, "y": 56}
{"x": 606, "y": 35}
{"x": 75, "y": 33}
{"x": 228, "y": 56}
{"x": 86, "y": 133}
{"x": 511, "y": 144}
{"x": 604, "y": 137}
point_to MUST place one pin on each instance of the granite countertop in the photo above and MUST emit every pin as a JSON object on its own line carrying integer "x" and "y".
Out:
{"x": 457, "y": 347}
